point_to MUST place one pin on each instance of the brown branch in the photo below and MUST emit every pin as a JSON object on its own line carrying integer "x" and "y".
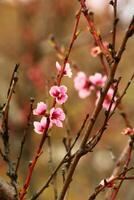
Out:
{"x": 7, "y": 191}
{"x": 5, "y": 129}
{"x": 115, "y": 21}
{"x": 54, "y": 181}
{"x": 24, "y": 136}
{"x": 129, "y": 154}
{"x": 99, "y": 105}
{"x": 101, "y": 188}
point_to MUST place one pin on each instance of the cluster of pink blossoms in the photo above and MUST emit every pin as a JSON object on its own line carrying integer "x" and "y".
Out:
{"x": 56, "y": 115}
{"x": 84, "y": 85}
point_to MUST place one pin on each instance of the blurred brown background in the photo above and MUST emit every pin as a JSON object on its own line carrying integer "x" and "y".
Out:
{"x": 25, "y": 30}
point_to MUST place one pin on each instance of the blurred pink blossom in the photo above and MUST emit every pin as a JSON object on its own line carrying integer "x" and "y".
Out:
{"x": 67, "y": 70}
{"x": 59, "y": 93}
{"x": 80, "y": 80}
{"x": 57, "y": 116}
{"x": 36, "y": 75}
{"x": 83, "y": 93}
{"x": 98, "y": 80}
{"x": 107, "y": 100}
{"x": 39, "y": 127}
{"x": 40, "y": 109}
{"x": 82, "y": 84}
{"x": 96, "y": 6}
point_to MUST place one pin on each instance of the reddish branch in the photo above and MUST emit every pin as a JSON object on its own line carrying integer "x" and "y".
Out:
{"x": 33, "y": 163}
{"x": 96, "y": 36}
{"x": 104, "y": 92}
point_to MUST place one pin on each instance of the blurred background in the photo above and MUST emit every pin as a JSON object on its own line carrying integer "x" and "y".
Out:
{"x": 26, "y": 30}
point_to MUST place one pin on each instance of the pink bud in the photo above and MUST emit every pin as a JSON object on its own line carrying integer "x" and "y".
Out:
{"x": 67, "y": 70}
{"x": 95, "y": 51}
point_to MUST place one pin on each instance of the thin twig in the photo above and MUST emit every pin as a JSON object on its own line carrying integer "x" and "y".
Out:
{"x": 5, "y": 129}
{"x": 24, "y": 136}
{"x": 52, "y": 167}
{"x": 115, "y": 21}
{"x": 101, "y": 188}
{"x": 128, "y": 159}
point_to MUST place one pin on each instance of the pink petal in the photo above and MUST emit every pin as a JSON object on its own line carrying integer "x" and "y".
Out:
{"x": 54, "y": 90}
{"x": 83, "y": 93}
{"x": 40, "y": 109}
{"x": 97, "y": 79}
{"x": 43, "y": 121}
{"x": 63, "y": 89}
{"x": 56, "y": 116}
{"x": 80, "y": 80}
{"x": 38, "y": 127}
{"x": 68, "y": 70}
{"x": 62, "y": 99}
{"x": 58, "y": 66}
{"x": 59, "y": 124}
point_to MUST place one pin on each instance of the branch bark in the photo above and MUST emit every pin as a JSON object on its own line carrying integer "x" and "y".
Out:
{"x": 7, "y": 191}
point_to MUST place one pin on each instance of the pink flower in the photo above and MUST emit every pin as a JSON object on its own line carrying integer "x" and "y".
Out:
{"x": 95, "y": 51}
{"x": 39, "y": 127}
{"x": 80, "y": 80}
{"x": 98, "y": 80}
{"x": 82, "y": 85}
{"x": 67, "y": 70}
{"x": 57, "y": 116}
{"x": 59, "y": 93}
{"x": 40, "y": 109}
{"x": 128, "y": 131}
{"x": 107, "y": 100}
